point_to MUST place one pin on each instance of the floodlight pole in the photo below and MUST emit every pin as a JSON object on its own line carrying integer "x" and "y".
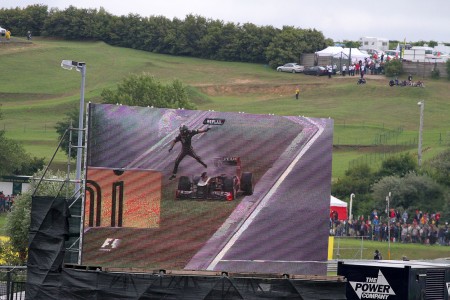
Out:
{"x": 389, "y": 225}
{"x": 81, "y": 67}
{"x": 350, "y": 216}
{"x": 80, "y": 129}
{"x": 419, "y": 154}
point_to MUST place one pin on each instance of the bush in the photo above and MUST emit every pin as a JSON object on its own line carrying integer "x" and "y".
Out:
{"x": 393, "y": 67}
{"x": 435, "y": 74}
{"x": 8, "y": 256}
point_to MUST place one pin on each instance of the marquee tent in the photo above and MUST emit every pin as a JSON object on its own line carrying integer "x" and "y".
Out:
{"x": 339, "y": 206}
{"x": 330, "y": 51}
{"x": 343, "y": 52}
{"x": 356, "y": 54}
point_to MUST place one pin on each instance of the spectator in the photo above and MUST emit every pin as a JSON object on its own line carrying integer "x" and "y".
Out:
{"x": 329, "y": 70}
{"x": 2, "y": 202}
{"x": 404, "y": 233}
{"x": 405, "y": 216}
{"x": 377, "y": 255}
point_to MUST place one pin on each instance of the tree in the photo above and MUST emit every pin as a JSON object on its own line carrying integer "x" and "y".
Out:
{"x": 410, "y": 192}
{"x": 393, "y": 67}
{"x": 287, "y": 46}
{"x": 439, "y": 167}
{"x": 398, "y": 166}
{"x": 357, "y": 180}
{"x": 146, "y": 90}
{"x": 290, "y": 43}
{"x": 18, "y": 220}
{"x": 352, "y": 44}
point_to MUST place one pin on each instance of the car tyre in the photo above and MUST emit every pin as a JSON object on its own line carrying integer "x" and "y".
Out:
{"x": 246, "y": 183}
{"x": 293, "y": 72}
{"x": 228, "y": 186}
{"x": 184, "y": 184}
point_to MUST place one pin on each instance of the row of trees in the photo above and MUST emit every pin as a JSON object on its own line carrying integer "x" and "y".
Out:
{"x": 426, "y": 188}
{"x": 194, "y": 36}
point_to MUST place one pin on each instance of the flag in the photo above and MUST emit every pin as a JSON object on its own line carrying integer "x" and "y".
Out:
{"x": 403, "y": 48}
{"x": 397, "y": 50}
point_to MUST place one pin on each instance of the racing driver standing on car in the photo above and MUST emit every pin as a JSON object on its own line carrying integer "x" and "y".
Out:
{"x": 185, "y": 137}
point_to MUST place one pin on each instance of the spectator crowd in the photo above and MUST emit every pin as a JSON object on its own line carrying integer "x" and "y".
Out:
{"x": 399, "y": 227}
{"x": 6, "y": 202}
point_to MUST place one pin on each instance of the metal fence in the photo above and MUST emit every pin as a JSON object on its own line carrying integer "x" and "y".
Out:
{"x": 12, "y": 282}
{"x": 353, "y": 252}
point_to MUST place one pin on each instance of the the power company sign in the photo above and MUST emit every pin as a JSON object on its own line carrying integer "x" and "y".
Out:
{"x": 375, "y": 282}
{"x": 395, "y": 280}
{"x": 373, "y": 287}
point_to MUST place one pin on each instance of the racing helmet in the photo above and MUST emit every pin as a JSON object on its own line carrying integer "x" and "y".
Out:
{"x": 184, "y": 129}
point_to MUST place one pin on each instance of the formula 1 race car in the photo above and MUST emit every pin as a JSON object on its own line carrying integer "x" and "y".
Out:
{"x": 227, "y": 184}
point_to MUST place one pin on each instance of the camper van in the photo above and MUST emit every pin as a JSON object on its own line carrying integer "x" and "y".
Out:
{"x": 418, "y": 53}
{"x": 428, "y": 50}
{"x": 373, "y": 43}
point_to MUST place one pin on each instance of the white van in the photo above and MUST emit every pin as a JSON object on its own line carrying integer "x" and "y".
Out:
{"x": 2, "y": 31}
{"x": 428, "y": 50}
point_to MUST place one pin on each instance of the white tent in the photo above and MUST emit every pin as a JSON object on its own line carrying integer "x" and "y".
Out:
{"x": 339, "y": 206}
{"x": 356, "y": 54}
{"x": 330, "y": 51}
{"x": 338, "y": 52}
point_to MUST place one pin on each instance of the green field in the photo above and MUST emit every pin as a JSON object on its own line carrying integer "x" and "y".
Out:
{"x": 354, "y": 248}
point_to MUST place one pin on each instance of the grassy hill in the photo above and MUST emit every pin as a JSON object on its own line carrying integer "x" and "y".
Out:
{"x": 371, "y": 120}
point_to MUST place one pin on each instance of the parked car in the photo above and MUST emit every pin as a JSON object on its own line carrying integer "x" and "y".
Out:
{"x": 291, "y": 67}
{"x": 375, "y": 53}
{"x": 316, "y": 70}
{"x": 391, "y": 54}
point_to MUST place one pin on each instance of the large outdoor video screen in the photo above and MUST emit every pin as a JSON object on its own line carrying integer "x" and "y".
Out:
{"x": 205, "y": 190}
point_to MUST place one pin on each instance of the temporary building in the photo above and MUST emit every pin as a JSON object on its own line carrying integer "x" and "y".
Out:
{"x": 339, "y": 52}
{"x": 330, "y": 51}
{"x": 355, "y": 54}
{"x": 339, "y": 206}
